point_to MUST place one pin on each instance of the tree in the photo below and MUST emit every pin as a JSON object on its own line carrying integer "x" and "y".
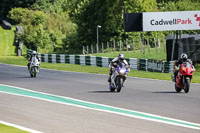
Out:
{"x": 108, "y": 14}
{"x": 42, "y": 31}
{"x": 7, "y": 5}
{"x": 89, "y": 14}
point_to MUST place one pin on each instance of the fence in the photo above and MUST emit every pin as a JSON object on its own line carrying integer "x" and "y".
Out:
{"x": 129, "y": 45}
{"x": 136, "y": 64}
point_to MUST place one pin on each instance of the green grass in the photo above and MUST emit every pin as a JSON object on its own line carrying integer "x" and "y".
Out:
{"x": 161, "y": 55}
{"x": 16, "y": 60}
{"x": 9, "y": 129}
{"x": 6, "y": 42}
{"x": 91, "y": 69}
{"x": 198, "y": 67}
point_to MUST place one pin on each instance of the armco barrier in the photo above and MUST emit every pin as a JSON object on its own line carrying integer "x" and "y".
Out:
{"x": 87, "y": 60}
{"x": 99, "y": 61}
{"x": 62, "y": 58}
{"x": 142, "y": 64}
{"x": 136, "y": 64}
{"x": 82, "y": 60}
{"x": 168, "y": 67}
{"x": 67, "y": 59}
{"x": 58, "y": 58}
{"x": 133, "y": 63}
{"x": 155, "y": 66}
{"x": 105, "y": 61}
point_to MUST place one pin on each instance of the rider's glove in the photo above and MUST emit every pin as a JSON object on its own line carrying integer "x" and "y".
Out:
{"x": 193, "y": 68}
{"x": 176, "y": 68}
{"x": 112, "y": 68}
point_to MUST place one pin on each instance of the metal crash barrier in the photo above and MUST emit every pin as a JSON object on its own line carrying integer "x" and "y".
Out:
{"x": 135, "y": 64}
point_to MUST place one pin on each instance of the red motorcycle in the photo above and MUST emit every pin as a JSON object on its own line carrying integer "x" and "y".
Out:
{"x": 184, "y": 77}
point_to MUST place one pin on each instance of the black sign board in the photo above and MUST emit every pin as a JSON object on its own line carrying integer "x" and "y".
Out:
{"x": 133, "y": 22}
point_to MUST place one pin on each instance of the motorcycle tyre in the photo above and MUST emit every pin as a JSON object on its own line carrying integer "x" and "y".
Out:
{"x": 31, "y": 73}
{"x": 119, "y": 85}
{"x": 35, "y": 72}
{"x": 177, "y": 89}
{"x": 187, "y": 86}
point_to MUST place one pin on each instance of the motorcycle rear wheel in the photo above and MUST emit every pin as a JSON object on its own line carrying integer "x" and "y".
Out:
{"x": 187, "y": 86}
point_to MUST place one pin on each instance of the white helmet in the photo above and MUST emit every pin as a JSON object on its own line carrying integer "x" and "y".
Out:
{"x": 184, "y": 56}
{"x": 34, "y": 53}
{"x": 121, "y": 57}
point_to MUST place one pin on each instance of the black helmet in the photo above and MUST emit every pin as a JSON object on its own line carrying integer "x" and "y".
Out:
{"x": 184, "y": 57}
{"x": 121, "y": 57}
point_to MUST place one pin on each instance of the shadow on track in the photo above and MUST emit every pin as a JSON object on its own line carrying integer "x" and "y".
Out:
{"x": 167, "y": 92}
{"x": 101, "y": 92}
{"x": 23, "y": 77}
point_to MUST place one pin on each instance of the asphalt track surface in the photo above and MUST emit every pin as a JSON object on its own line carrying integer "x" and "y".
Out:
{"x": 149, "y": 96}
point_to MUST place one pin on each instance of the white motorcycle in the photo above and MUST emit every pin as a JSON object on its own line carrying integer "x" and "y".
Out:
{"x": 34, "y": 66}
{"x": 118, "y": 77}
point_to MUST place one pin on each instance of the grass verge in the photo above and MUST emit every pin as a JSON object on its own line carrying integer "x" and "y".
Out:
{"x": 91, "y": 69}
{"x": 7, "y": 42}
{"x": 10, "y": 129}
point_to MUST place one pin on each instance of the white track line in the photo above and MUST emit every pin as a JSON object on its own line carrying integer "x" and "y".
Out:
{"x": 160, "y": 121}
{"x": 19, "y": 127}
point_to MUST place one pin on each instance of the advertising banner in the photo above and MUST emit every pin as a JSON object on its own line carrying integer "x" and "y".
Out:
{"x": 165, "y": 21}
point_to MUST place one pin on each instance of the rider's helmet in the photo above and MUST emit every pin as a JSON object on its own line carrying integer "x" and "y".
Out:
{"x": 184, "y": 57}
{"x": 34, "y": 53}
{"x": 121, "y": 57}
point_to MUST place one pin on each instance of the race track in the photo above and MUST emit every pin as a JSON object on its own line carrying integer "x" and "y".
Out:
{"x": 144, "y": 95}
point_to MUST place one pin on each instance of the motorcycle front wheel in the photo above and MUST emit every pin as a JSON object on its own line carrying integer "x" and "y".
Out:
{"x": 34, "y": 71}
{"x": 31, "y": 72}
{"x": 187, "y": 85}
{"x": 119, "y": 84}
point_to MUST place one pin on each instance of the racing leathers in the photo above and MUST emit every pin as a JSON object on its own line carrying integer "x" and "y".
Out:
{"x": 176, "y": 66}
{"x": 30, "y": 59}
{"x": 114, "y": 64}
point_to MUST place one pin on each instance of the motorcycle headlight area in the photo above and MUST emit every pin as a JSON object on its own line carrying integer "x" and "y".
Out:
{"x": 122, "y": 71}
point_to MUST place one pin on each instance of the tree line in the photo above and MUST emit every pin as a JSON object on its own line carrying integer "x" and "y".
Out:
{"x": 64, "y": 26}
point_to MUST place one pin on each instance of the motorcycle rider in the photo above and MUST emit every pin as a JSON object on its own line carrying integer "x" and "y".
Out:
{"x": 114, "y": 63}
{"x": 34, "y": 53}
{"x": 184, "y": 58}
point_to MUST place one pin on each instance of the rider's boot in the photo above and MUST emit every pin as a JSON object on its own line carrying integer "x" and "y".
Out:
{"x": 173, "y": 78}
{"x": 109, "y": 79}
{"x": 175, "y": 74}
